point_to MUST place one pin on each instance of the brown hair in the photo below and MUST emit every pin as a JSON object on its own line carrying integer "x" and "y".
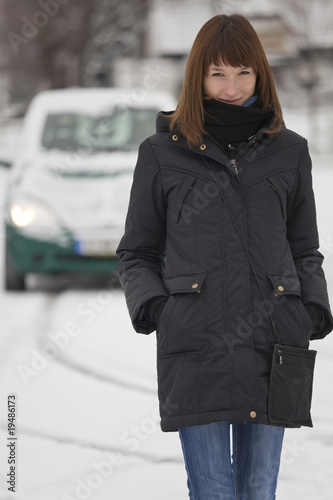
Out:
{"x": 233, "y": 41}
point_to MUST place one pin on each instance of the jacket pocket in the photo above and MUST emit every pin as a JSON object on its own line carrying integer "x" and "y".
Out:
{"x": 182, "y": 324}
{"x": 278, "y": 197}
{"x": 180, "y": 198}
{"x": 291, "y": 318}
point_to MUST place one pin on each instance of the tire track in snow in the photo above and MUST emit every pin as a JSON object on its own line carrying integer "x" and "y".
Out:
{"x": 80, "y": 367}
{"x": 85, "y": 371}
{"x": 92, "y": 446}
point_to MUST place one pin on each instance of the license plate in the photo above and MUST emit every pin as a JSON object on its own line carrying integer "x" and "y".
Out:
{"x": 96, "y": 248}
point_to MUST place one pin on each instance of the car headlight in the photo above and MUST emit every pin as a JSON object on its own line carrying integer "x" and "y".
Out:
{"x": 22, "y": 217}
{"x": 36, "y": 220}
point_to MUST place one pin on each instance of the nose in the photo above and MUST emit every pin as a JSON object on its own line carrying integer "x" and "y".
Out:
{"x": 230, "y": 88}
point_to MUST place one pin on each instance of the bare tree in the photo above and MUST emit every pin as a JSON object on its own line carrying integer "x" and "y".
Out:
{"x": 312, "y": 22}
{"x": 58, "y": 43}
{"x": 118, "y": 29}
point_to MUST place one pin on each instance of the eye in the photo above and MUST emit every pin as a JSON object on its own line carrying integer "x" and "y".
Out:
{"x": 244, "y": 72}
{"x": 217, "y": 74}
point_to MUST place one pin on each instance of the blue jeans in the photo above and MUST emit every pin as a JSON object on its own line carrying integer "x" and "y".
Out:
{"x": 249, "y": 474}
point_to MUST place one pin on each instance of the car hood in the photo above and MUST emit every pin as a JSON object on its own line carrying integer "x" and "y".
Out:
{"x": 88, "y": 193}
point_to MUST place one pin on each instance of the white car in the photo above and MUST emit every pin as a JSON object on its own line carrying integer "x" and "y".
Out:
{"x": 69, "y": 186}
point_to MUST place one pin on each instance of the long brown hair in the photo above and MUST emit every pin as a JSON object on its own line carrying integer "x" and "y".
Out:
{"x": 233, "y": 41}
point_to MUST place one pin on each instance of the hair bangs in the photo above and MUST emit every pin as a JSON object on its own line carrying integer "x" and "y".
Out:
{"x": 230, "y": 52}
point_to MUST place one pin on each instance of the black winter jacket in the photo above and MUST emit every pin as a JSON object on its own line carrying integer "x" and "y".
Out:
{"x": 214, "y": 336}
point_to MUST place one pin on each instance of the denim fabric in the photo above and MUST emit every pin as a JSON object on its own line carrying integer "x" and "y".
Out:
{"x": 249, "y": 472}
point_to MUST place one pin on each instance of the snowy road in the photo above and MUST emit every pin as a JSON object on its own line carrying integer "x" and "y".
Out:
{"x": 87, "y": 422}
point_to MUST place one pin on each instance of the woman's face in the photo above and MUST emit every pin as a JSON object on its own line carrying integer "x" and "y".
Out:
{"x": 229, "y": 84}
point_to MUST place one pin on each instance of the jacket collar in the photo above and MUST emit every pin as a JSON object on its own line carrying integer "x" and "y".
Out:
{"x": 209, "y": 148}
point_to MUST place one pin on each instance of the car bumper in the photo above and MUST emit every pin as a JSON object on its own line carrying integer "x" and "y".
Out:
{"x": 30, "y": 255}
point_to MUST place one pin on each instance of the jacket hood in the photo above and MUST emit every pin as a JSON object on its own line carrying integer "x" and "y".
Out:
{"x": 163, "y": 121}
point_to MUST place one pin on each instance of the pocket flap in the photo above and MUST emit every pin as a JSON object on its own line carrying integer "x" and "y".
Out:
{"x": 185, "y": 283}
{"x": 285, "y": 284}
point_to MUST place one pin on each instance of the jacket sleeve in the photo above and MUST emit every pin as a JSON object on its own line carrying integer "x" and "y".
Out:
{"x": 142, "y": 248}
{"x": 303, "y": 238}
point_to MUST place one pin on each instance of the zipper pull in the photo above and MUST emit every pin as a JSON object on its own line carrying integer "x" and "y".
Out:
{"x": 280, "y": 356}
{"x": 233, "y": 163}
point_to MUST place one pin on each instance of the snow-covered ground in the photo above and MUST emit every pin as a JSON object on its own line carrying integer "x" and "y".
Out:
{"x": 87, "y": 416}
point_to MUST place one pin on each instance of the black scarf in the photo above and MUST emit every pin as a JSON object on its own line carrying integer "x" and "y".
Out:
{"x": 231, "y": 124}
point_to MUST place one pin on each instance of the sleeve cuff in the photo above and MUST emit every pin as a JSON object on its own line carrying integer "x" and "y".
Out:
{"x": 154, "y": 307}
{"x": 317, "y": 316}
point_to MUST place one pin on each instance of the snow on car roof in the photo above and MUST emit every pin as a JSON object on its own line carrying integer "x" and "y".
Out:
{"x": 93, "y": 101}
{"x": 98, "y": 100}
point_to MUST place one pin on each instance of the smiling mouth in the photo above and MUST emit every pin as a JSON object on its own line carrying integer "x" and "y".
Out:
{"x": 232, "y": 101}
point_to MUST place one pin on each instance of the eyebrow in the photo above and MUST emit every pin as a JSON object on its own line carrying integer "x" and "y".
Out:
{"x": 216, "y": 68}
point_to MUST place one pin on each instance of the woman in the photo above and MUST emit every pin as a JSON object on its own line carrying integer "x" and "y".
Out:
{"x": 186, "y": 272}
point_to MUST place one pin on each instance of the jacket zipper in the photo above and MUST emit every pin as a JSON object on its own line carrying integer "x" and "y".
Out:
{"x": 271, "y": 185}
{"x": 280, "y": 354}
{"x": 233, "y": 163}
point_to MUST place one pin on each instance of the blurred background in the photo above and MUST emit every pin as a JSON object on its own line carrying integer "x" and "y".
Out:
{"x": 87, "y": 415}
{"x": 56, "y": 44}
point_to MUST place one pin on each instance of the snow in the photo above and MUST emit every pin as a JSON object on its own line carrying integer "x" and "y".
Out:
{"x": 97, "y": 100}
{"x": 93, "y": 102}
{"x": 87, "y": 415}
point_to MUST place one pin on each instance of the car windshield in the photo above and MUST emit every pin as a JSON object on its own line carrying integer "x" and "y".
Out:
{"x": 124, "y": 128}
